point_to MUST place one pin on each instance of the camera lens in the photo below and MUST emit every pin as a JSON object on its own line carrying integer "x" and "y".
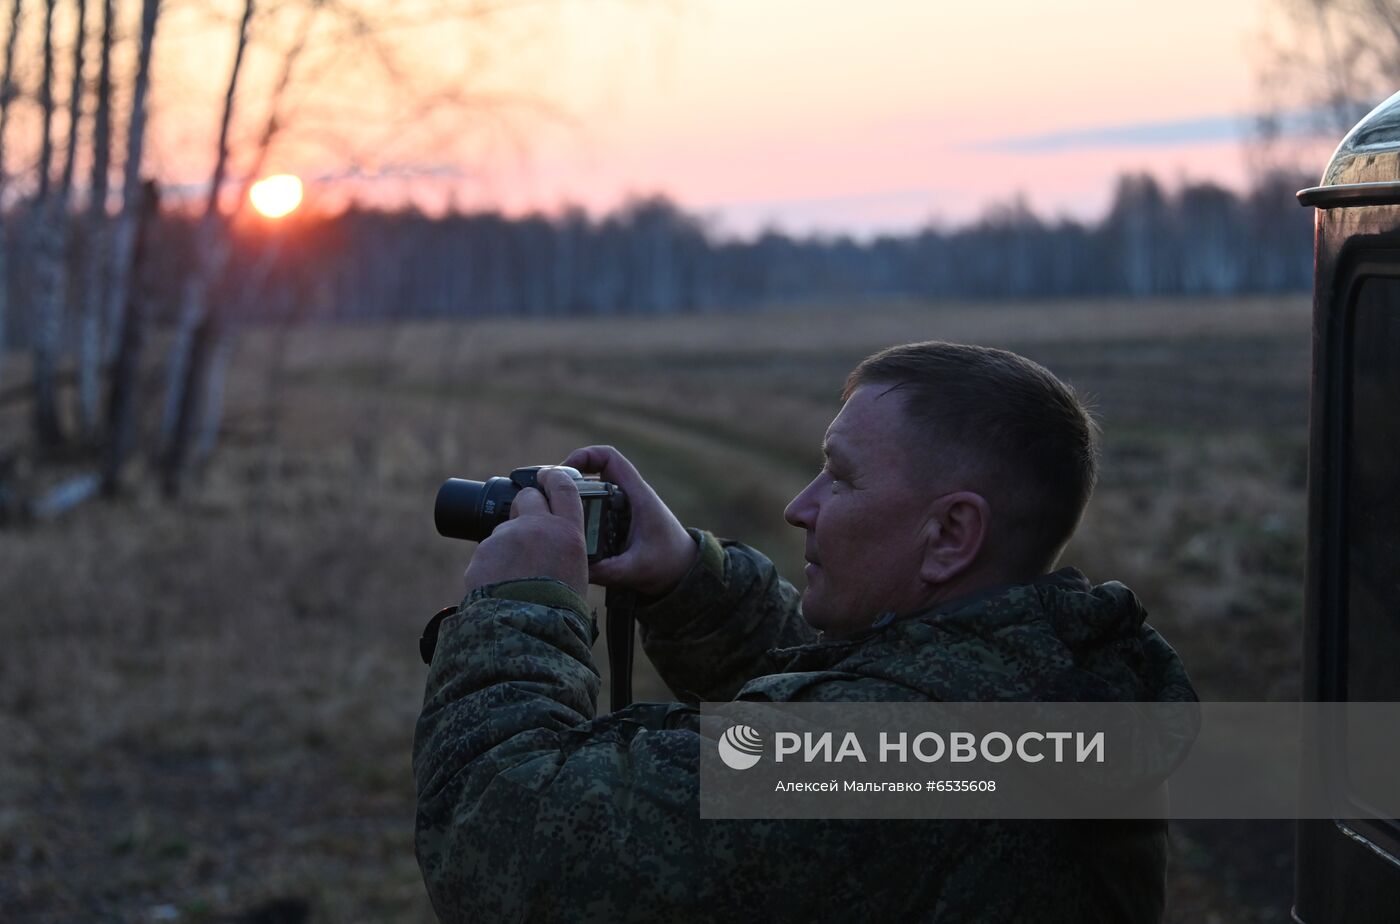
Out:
{"x": 471, "y": 509}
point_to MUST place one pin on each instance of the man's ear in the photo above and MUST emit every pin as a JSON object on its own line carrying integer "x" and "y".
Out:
{"x": 957, "y": 528}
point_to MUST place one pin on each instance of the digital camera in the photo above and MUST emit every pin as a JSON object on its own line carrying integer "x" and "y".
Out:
{"x": 472, "y": 509}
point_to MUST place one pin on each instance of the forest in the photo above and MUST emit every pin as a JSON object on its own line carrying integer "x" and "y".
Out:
{"x": 654, "y": 257}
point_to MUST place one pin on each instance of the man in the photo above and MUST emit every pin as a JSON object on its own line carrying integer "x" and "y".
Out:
{"x": 954, "y": 476}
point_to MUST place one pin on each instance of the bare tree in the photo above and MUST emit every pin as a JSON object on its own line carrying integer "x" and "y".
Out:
{"x": 210, "y": 256}
{"x": 216, "y": 329}
{"x": 1329, "y": 63}
{"x": 75, "y": 108}
{"x": 95, "y": 266}
{"x": 45, "y": 305}
{"x": 62, "y": 230}
{"x": 125, "y": 312}
{"x": 124, "y": 234}
{"x": 46, "y": 103}
{"x": 7, "y": 95}
{"x": 51, "y": 262}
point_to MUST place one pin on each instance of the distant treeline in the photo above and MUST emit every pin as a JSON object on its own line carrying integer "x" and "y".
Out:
{"x": 651, "y": 257}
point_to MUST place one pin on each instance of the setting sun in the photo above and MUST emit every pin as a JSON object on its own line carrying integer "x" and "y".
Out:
{"x": 276, "y": 196}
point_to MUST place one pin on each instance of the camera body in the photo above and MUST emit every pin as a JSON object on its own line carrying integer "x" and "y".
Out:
{"x": 472, "y": 509}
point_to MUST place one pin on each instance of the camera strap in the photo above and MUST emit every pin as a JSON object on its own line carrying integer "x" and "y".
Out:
{"x": 621, "y": 626}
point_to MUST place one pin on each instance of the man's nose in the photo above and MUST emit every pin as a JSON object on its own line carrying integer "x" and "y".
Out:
{"x": 801, "y": 510}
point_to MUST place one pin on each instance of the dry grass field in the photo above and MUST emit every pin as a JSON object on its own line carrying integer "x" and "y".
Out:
{"x": 206, "y": 709}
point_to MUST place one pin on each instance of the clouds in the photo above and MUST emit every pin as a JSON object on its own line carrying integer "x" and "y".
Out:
{"x": 1207, "y": 129}
{"x": 1134, "y": 134}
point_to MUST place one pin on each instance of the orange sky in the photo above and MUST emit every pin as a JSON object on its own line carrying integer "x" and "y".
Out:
{"x": 810, "y": 114}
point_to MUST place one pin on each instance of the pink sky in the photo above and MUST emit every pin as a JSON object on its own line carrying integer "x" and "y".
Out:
{"x": 807, "y": 114}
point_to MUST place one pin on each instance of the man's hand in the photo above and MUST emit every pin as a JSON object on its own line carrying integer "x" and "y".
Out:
{"x": 542, "y": 538}
{"x": 659, "y": 551}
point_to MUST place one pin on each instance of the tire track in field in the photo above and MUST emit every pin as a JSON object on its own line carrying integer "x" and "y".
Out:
{"x": 689, "y": 445}
{"x": 770, "y": 447}
{"x": 598, "y": 413}
{"x": 717, "y": 478}
{"x": 582, "y": 403}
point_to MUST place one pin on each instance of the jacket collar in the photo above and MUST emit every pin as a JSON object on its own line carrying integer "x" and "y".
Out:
{"x": 888, "y": 626}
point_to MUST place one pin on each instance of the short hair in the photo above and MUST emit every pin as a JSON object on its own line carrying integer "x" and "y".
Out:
{"x": 1022, "y": 437}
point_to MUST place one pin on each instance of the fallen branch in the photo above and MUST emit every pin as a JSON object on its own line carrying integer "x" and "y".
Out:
{"x": 64, "y": 497}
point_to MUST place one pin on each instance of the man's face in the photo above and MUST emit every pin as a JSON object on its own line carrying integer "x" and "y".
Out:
{"x": 866, "y": 516}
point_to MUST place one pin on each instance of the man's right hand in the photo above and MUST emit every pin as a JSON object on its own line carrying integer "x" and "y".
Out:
{"x": 659, "y": 551}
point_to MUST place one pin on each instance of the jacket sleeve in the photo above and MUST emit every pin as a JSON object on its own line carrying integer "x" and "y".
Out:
{"x": 532, "y": 808}
{"x": 712, "y": 633}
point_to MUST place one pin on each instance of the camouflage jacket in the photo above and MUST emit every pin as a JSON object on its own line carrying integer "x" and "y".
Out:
{"x": 531, "y": 806}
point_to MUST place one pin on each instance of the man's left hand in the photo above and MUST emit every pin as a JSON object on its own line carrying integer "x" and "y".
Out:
{"x": 542, "y": 539}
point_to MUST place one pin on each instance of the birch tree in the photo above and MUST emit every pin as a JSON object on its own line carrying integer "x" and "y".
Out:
{"x": 62, "y": 226}
{"x": 7, "y": 95}
{"x": 210, "y": 255}
{"x": 75, "y": 110}
{"x": 126, "y": 315}
{"x": 124, "y": 234}
{"x": 96, "y": 265}
{"x": 45, "y": 307}
{"x": 218, "y": 351}
{"x": 1328, "y": 63}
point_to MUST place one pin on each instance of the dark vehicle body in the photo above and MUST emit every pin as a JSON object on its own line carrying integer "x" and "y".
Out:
{"x": 1348, "y": 870}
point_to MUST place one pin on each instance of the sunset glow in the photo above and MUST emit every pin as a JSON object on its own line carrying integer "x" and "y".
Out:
{"x": 276, "y": 196}
{"x": 800, "y": 114}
